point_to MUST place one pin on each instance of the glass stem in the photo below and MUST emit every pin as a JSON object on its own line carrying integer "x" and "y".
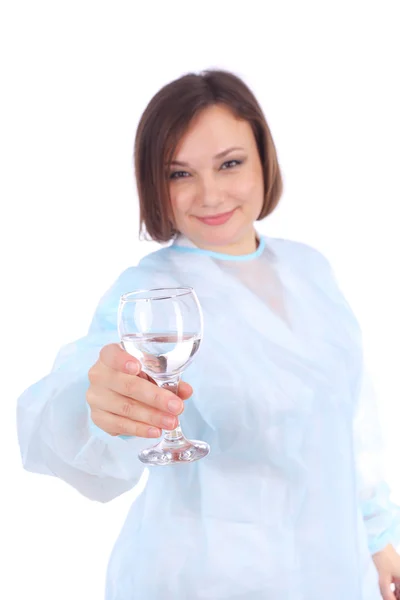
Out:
{"x": 172, "y": 385}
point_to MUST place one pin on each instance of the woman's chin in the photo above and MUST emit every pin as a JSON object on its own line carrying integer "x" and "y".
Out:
{"x": 219, "y": 238}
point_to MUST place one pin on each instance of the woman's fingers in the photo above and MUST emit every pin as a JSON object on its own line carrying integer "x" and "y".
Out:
{"x": 128, "y": 408}
{"x": 185, "y": 390}
{"x": 115, "y": 357}
{"x": 144, "y": 392}
{"x": 125, "y": 401}
{"x": 117, "y": 425}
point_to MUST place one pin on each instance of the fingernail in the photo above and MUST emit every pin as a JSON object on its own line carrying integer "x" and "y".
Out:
{"x": 132, "y": 367}
{"x": 168, "y": 422}
{"x": 175, "y": 406}
{"x": 153, "y": 432}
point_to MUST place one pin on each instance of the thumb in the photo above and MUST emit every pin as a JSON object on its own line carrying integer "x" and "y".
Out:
{"x": 385, "y": 584}
{"x": 185, "y": 390}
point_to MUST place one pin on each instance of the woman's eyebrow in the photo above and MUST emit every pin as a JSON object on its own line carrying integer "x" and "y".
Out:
{"x": 180, "y": 163}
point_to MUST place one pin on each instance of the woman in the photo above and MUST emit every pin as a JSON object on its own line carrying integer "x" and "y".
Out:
{"x": 289, "y": 504}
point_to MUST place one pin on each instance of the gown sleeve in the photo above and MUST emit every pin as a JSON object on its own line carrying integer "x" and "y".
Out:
{"x": 55, "y": 433}
{"x": 381, "y": 516}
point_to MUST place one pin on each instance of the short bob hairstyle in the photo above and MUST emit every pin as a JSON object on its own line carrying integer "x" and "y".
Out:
{"x": 166, "y": 119}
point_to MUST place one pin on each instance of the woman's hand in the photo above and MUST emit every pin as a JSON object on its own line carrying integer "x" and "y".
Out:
{"x": 125, "y": 401}
{"x": 387, "y": 562}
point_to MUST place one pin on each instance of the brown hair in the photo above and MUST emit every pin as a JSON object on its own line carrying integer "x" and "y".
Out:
{"x": 164, "y": 122}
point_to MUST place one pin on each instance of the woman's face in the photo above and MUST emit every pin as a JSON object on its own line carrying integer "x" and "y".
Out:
{"x": 216, "y": 183}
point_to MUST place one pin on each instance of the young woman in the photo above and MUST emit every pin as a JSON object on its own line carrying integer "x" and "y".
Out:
{"x": 290, "y": 502}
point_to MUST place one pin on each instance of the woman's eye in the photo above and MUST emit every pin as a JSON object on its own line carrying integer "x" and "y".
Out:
{"x": 178, "y": 174}
{"x": 229, "y": 164}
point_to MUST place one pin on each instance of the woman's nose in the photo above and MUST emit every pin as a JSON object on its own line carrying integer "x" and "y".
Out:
{"x": 210, "y": 194}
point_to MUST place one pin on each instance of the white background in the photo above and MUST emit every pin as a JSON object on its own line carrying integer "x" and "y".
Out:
{"x": 75, "y": 78}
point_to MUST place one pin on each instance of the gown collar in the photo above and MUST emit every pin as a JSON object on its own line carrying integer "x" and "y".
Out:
{"x": 183, "y": 244}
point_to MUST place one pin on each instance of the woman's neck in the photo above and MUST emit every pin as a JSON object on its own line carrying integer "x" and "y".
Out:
{"x": 247, "y": 245}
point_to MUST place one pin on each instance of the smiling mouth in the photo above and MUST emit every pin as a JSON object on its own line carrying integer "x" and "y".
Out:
{"x": 216, "y": 219}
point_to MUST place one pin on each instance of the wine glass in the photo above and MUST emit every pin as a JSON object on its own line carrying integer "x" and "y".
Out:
{"x": 163, "y": 328}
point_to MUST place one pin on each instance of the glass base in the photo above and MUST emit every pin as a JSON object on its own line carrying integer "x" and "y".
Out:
{"x": 169, "y": 452}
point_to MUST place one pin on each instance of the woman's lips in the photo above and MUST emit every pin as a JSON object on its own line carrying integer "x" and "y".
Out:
{"x": 217, "y": 219}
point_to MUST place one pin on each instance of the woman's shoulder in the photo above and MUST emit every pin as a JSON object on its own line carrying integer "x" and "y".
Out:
{"x": 297, "y": 252}
{"x": 146, "y": 264}
{"x": 149, "y": 272}
{"x": 146, "y": 273}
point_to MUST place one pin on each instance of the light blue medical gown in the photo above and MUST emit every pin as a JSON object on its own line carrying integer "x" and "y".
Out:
{"x": 291, "y": 503}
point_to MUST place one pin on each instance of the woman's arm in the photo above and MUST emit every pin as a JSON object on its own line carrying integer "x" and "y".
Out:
{"x": 381, "y": 515}
{"x": 55, "y": 433}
